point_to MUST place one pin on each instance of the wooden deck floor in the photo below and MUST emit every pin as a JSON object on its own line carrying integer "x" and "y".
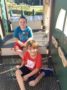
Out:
{"x": 9, "y": 60}
{"x": 8, "y": 80}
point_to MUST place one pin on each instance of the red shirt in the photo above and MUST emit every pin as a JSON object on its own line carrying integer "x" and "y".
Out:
{"x": 32, "y": 63}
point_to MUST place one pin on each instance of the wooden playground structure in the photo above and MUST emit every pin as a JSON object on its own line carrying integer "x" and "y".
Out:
{"x": 43, "y": 34}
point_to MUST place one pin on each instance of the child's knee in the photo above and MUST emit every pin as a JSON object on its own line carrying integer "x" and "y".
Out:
{"x": 17, "y": 72}
{"x": 32, "y": 83}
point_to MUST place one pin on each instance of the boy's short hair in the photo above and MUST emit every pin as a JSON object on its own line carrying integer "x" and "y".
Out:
{"x": 23, "y": 17}
{"x": 32, "y": 43}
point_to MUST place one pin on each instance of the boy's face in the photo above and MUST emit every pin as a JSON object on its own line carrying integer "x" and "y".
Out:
{"x": 33, "y": 51}
{"x": 22, "y": 23}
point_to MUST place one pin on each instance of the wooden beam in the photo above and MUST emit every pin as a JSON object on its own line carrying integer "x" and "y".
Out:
{"x": 60, "y": 52}
{"x": 54, "y": 41}
{"x": 62, "y": 56}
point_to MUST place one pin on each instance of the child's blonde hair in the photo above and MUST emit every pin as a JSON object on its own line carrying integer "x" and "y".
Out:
{"x": 32, "y": 43}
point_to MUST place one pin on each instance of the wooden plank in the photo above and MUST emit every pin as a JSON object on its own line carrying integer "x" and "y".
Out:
{"x": 63, "y": 58}
{"x": 7, "y": 52}
{"x": 9, "y": 42}
{"x": 11, "y": 52}
{"x": 60, "y": 52}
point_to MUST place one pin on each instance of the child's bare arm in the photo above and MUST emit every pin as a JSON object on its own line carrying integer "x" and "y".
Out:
{"x": 31, "y": 38}
{"x": 24, "y": 44}
{"x": 20, "y": 43}
{"x": 17, "y": 40}
{"x": 19, "y": 66}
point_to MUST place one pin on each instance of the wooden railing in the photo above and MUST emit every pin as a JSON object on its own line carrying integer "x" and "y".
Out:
{"x": 60, "y": 51}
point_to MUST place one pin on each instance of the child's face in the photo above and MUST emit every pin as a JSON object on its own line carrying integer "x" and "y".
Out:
{"x": 22, "y": 23}
{"x": 33, "y": 51}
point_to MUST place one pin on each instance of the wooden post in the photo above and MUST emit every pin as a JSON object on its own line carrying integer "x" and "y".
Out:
{"x": 2, "y": 34}
{"x": 5, "y": 20}
{"x": 43, "y": 21}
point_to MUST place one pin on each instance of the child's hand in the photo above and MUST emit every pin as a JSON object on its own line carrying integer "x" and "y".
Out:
{"x": 24, "y": 44}
{"x": 25, "y": 77}
{"x": 20, "y": 43}
{"x": 18, "y": 66}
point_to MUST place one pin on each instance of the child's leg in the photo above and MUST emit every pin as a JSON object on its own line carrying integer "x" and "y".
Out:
{"x": 19, "y": 52}
{"x": 20, "y": 80}
{"x": 34, "y": 82}
{"x": 18, "y": 49}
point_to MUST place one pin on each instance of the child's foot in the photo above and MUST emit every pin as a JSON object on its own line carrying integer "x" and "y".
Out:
{"x": 32, "y": 83}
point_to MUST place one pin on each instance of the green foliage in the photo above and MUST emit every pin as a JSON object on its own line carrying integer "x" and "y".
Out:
{"x": 38, "y": 13}
{"x": 28, "y": 13}
{"x": 8, "y": 0}
{"x": 30, "y": 2}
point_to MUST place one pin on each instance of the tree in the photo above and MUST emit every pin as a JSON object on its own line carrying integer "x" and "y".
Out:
{"x": 31, "y": 2}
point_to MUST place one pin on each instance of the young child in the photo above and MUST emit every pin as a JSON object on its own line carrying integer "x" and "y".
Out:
{"x": 30, "y": 67}
{"x": 22, "y": 34}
